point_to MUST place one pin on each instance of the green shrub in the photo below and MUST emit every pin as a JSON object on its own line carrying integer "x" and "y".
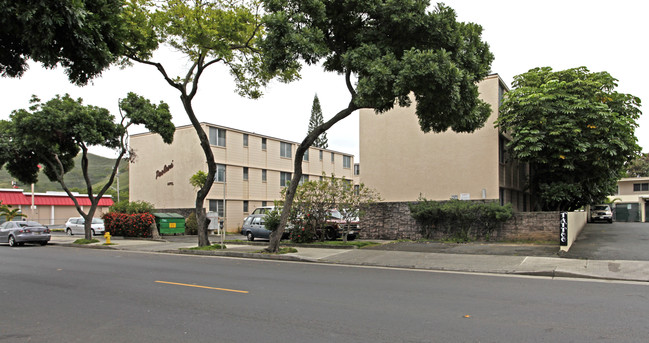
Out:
{"x": 132, "y": 207}
{"x": 271, "y": 221}
{"x": 191, "y": 224}
{"x": 459, "y": 220}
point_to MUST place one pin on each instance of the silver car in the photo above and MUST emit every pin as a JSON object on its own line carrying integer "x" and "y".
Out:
{"x": 253, "y": 227}
{"x": 75, "y": 226}
{"x": 21, "y": 232}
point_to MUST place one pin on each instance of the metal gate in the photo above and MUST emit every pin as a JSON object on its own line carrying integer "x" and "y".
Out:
{"x": 627, "y": 212}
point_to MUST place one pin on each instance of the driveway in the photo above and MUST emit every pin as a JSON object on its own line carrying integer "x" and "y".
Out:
{"x": 617, "y": 241}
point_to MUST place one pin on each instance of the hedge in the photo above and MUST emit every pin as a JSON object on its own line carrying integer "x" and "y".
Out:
{"x": 129, "y": 225}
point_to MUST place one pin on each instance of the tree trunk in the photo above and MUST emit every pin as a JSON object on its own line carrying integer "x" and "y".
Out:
{"x": 154, "y": 231}
{"x": 201, "y": 228}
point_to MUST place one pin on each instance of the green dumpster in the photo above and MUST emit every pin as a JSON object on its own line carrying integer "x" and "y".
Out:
{"x": 169, "y": 223}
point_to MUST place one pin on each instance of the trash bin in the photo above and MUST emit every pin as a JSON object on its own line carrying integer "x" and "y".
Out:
{"x": 169, "y": 223}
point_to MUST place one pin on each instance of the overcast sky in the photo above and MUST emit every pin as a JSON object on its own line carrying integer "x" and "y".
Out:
{"x": 601, "y": 35}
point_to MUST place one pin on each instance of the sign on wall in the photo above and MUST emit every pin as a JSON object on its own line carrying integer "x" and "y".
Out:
{"x": 563, "y": 238}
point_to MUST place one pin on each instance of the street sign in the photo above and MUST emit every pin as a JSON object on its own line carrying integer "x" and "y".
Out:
{"x": 563, "y": 226}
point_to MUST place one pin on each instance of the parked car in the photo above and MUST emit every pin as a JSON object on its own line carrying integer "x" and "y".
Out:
{"x": 601, "y": 213}
{"x": 76, "y": 226}
{"x": 263, "y": 210}
{"x": 21, "y": 232}
{"x": 253, "y": 227}
{"x": 336, "y": 224}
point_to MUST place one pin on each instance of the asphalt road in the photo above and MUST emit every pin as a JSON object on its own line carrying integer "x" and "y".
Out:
{"x": 616, "y": 241}
{"x": 60, "y": 294}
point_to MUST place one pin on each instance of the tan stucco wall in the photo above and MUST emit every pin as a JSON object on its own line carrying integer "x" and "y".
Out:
{"x": 172, "y": 190}
{"x": 56, "y": 215}
{"x": 401, "y": 162}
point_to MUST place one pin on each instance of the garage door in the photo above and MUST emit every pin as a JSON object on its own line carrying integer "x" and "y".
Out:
{"x": 629, "y": 212}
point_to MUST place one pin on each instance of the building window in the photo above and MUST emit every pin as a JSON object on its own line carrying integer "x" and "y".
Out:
{"x": 264, "y": 203}
{"x": 284, "y": 179}
{"x": 357, "y": 189}
{"x": 347, "y": 162}
{"x": 332, "y": 157}
{"x": 220, "y": 173}
{"x": 245, "y": 206}
{"x": 320, "y": 178}
{"x": 357, "y": 169}
{"x": 304, "y": 178}
{"x": 245, "y": 139}
{"x": 263, "y": 175}
{"x": 217, "y": 206}
{"x": 263, "y": 144}
{"x": 306, "y": 156}
{"x": 285, "y": 150}
{"x": 245, "y": 173}
{"x": 217, "y": 136}
{"x": 320, "y": 155}
{"x": 640, "y": 187}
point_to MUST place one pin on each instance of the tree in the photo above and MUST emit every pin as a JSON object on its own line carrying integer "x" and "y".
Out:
{"x": 396, "y": 51}
{"x": 82, "y": 36}
{"x": 353, "y": 201}
{"x": 8, "y": 213}
{"x": 207, "y": 33}
{"x": 575, "y": 131}
{"x": 639, "y": 167}
{"x": 52, "y": 134}
{"x": 315, "y": 121}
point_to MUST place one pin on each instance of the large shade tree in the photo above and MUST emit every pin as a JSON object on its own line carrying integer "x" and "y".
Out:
{"x": 390, "y": 52}
{"x": 83, "y": 36}
{"x": 575, "y": 131}
{"x": 52, "y": 134}
{"x": 207, "y": 33}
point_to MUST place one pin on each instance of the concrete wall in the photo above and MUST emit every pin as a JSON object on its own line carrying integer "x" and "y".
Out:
{"x": 56, "y": 215}
{"x": 576, "y": 223}
{"x": 392, "y": 220}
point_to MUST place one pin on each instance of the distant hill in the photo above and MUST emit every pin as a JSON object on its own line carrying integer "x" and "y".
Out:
{"x": 99, "y": 169}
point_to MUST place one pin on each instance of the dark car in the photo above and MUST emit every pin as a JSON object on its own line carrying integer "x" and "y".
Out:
{"x": 21, "y": 232}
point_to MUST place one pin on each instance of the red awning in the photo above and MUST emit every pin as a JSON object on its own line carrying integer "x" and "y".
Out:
{"x": 20, "y": 198}
{"x": 14, "y": 198}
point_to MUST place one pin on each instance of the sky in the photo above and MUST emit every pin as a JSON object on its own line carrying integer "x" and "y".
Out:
{"x": 601, "y": 35}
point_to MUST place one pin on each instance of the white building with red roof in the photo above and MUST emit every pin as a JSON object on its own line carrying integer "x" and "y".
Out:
{"x": 51, "y": 208}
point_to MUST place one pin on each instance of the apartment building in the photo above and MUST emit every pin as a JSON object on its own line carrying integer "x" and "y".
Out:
{"x": 631, "y": 201}
{"x": 401, "y": 162}
{"x": 251, "y": 170}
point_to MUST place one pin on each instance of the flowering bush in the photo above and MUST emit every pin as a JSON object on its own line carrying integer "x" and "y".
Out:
{"x": 302, "y": 231}
{"x": 129, "y": 225}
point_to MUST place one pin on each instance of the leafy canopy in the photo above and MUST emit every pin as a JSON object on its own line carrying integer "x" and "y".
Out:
{"x": 82, "y": 36}
{"x": 393, "y": 48}
{"x": 639, "y": 167}
{"x": 51, "y": 134}
{"x": 574, "y": 129}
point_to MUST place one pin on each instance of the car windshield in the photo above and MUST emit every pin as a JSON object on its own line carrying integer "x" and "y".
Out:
{"x": 97, "y": 221}
{"x": 335, "y": 214}
{"x": 601, "y": 208}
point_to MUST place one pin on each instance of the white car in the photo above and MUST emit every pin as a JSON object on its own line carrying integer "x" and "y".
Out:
{"x": 75, "y": 226}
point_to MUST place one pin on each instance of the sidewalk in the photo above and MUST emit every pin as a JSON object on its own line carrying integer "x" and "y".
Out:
{"x": 463, "y": 262}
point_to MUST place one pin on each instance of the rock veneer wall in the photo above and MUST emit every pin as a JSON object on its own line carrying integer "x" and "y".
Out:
{"x": 392, "y": 220}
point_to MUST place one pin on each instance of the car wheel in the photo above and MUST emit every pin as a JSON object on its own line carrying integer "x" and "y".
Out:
{"x": 93, "y": 232}
{"x": 330, "y": 234}
{"x": 12, "y": 241}
{"x": 351, "y": 237}
{"x": 68, "y": 232}
{"x": 44, "y": 243}
{"x": 250, "y": 236}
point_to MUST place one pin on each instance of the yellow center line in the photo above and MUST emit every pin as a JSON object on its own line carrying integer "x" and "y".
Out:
{"x": 206, "y": 287}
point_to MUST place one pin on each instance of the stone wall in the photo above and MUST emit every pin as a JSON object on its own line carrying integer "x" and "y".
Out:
{"x": 392, "y": 220}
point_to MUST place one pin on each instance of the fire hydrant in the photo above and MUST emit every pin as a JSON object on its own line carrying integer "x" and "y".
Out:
{"x": 107, "y": 236}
